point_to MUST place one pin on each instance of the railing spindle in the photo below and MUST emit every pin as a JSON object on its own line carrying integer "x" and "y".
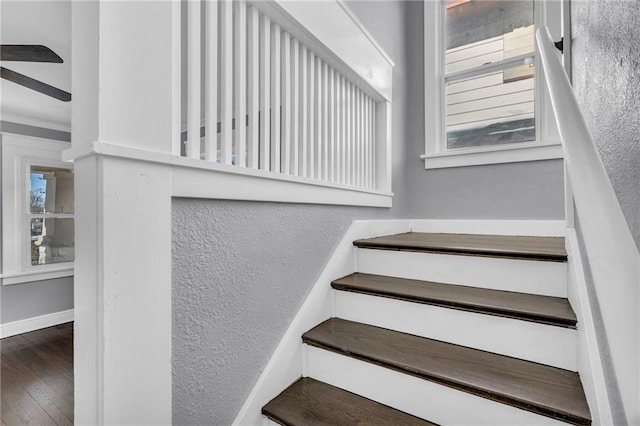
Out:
{"x": 275, "y": 98}
{"x": 265, "y": 92}
{"x": 304, "y": 91}
{"x": 286, "y": 102}
{"x": 193, "y": 79}
{"x": 312, "y": 115}
{"x": 295, "y": 97}
{"x": 226, "y": 80}
{"x": 240, "y": 95}
{"x": 253, "y": 90}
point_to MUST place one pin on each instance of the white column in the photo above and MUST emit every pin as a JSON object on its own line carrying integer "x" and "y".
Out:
{"x": 122, "y": 340}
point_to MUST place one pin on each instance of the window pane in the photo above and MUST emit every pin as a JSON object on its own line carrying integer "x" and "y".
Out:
{"x": 491, "y": 109}
{"x": 486, "y": 31}
{"x": 51, "y": 190}
{"x": 52, "y": 240}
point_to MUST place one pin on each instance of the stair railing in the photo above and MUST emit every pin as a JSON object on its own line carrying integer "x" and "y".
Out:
{"x": 304, "y": 112}
{"x": 611, "y": 250}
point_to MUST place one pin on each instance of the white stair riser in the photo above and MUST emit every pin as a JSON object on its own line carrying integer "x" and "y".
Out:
{"x": 540, "y": 343}
{"x": 266, "y": 421}
{"x": 422, "y": 398}
{"x": 524, "y": 276}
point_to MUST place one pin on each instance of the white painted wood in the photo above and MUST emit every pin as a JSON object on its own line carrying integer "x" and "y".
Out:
{"x": 253, "y": 89}
{"x": 524, "y": 276}
{"x": 313, "y": 84}
{"x": 523, "y": 152}
{"x": 295, "y": 105}
{"x": 332, "y": 127}
{"x": 193, "y": 79}
{"x": 318, "y": 130}
{"x": 331, "y": 23}
{"x": 265, "y": 92}
{"x": 285, "y": 67}
{"x": 304, "y": 115}
{"x": 350, "y": 135}
{"x": 26, "y": 325}
{"x": 590, "y": 364}
{"x": 358, "y": 138}
{"x": 275, "y": 98}
{"x": 240, "y": 81}
{"x": 419, "y": 397}
{"x": 534, "y": 228}
{"x": 286, "y": 363}
{"x": 200, "y": 179}
{"x": 342, "y": 125}
{"x": 226, "y": 81}
{"x": 540, "y": 343}
{"x": 611, "y": 250}
{"x": 325, "y": 123}
{"x": 383, "y": 146}
{"x": 211, "y": 81}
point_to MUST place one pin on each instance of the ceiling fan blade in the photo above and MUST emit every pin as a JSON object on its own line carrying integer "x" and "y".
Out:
{"x": 28, "y": 53}
{"x": 36, "y": 85}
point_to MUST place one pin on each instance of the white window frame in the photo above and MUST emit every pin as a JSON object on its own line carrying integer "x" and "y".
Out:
{"x": 19, "y": 153}
{"x": 547, "y": 143}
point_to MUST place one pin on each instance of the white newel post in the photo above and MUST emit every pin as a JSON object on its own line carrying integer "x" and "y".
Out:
{"x": 123, "y": 93}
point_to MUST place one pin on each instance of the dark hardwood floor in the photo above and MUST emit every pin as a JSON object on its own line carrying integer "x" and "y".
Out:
{"x": 37, "y": 377}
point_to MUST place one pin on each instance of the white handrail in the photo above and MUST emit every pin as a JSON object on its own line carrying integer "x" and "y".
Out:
{"x": 611, "y": 250}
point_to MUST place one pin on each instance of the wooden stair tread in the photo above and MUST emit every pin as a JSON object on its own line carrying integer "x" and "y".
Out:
{"x": 543, "y": 309}
{"x": 542, "y": 389}
{"x": 311, "y": 402}
{"x": 533, "y": 248}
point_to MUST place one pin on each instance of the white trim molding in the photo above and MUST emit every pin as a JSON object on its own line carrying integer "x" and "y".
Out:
{"x": 35, "y": 323}
{"x": 193, "y": 178}
{"x": 493, "y": 155}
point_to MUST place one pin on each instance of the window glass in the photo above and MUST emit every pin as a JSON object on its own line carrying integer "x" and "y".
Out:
{"x": 52, "y": 240}
{"x": 498, "y": 106}
{"x": 490, "y": 109}
{"x": 51, "y": 190}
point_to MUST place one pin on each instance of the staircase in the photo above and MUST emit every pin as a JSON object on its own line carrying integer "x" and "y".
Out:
{"x": 444, "y": 328}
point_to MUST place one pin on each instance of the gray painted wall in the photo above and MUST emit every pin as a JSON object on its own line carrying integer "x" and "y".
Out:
{"x": 532, "y": 190}
{"x": 241, "y": 270}
{"x": 606, "y": 78}
{"x": 27, "y": 300}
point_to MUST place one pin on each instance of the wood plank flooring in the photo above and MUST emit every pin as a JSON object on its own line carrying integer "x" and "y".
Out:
{"x": 529, "y": 307}
{"x": 545, "y": 390}
{"x": 313, "y": 403}
{"x": 532, "y": 248}
{"x": 37, "y": 377}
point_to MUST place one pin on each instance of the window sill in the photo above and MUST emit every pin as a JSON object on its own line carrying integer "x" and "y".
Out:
{"x": 30, "y": 276}
{"x": 496, "y": 155}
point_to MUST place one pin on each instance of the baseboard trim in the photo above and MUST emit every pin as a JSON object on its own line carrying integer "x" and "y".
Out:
{"x": 35, "y": 323}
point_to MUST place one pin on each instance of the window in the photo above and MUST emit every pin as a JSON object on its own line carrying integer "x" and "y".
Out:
{"x": 37, "y": 210}
{"x": 488, "y": 99}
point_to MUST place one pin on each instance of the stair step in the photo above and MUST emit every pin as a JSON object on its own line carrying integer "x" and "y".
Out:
{"x": 538, "y": 388}
{"x": 529, "y": 307}
{"x": 311, "y": 402}
{"x": 513, "y": 247}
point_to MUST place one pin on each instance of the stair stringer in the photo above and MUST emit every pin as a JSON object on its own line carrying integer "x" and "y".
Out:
{"x": 589, "y": 359}
{"x": 287, "y": 362}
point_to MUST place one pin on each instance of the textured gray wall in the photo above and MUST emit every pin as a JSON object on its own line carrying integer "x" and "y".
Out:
{"x": 532, "y": 190}
{"x": 241, "y": 270}
{"x": 27, "y": 300}
{"x": 606, "y": 78}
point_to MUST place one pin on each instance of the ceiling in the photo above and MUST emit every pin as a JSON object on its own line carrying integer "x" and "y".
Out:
{"x": 37, "y": 22}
